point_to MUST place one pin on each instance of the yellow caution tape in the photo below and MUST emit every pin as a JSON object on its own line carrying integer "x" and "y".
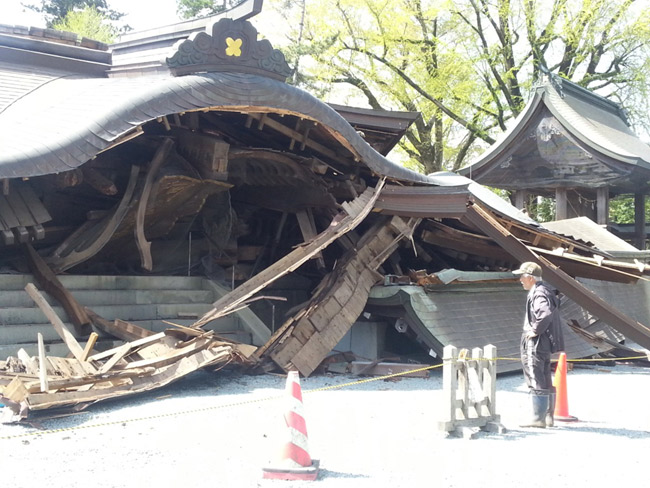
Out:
{"x": 277, "y": 397}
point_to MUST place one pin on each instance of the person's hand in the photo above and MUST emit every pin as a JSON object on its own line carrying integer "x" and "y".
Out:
{"x": 530, "y": 335}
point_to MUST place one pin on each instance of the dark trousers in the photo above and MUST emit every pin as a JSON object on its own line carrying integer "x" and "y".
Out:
{"x": 536, "y": 363}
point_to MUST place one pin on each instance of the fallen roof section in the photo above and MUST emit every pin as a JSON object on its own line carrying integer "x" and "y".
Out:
{"x": 466, "y": 315}
{"x": 558, "y": 278}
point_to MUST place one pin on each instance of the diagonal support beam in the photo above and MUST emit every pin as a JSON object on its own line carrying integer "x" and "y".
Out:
{"x": 573, "y": 289}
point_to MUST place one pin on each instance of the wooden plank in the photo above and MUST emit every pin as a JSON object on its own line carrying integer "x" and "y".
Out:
{"x": 98, "y": 181}
{"x": 89, "y": 345}
{"x": 61, "y": 367}
{"x": 118, "y": 328}
{"x": 72, "y": 241}
{"x": 21, "y": 211}
{"x": 49, "y": 282}
{"x": 15, "y": 391}
{"x": 122, "y": 351}
{"x": 31, "y": 365}
{"x": 144, "y": 246}
{"x": 172, "y": 356}
{"x": 110, "y": 225}
{"x": 137, "y": 343}
{"x": 42, "y": 369}
{"x": 340, "y": 299}
{"x": 287, "y": 131}
{"x": 8, "y": 217}
{"x": 322, "y": 314}
{"x": 308, "y": 229}
{"x": 304, "y": 330}
{"x": 59, "y": 383}
{"x": 282, "y": 356}
{"x": 59, "y": 326}
{"x": 160, "y": 377}
{"x": 36, "y": 207}
{"x": 341, "y": 224}
{"x": 311, "y": 355}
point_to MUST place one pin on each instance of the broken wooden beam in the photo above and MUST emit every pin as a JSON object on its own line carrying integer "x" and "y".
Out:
{"x": 51, "y": 284}
{"x": 118, "y": 328}
{"x": 572, "y": 288}
{"x": 92, "y": 339}
{"x": 122, "y": 351}
{"x": 305, "y": 340}
{"x": 109, "y": 225}
{"x": 98, "y": 181}
{"x": 42, "y": 365}
{"x": 144, "y": 246}
{"x": 341, "y": 224}
{"x": 60, "y": 328}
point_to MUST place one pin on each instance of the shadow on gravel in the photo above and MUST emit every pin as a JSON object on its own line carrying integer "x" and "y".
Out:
{"x": 620, "y": 432}
{"x": 326, "y": 473}
{"x": 515, "y": 434}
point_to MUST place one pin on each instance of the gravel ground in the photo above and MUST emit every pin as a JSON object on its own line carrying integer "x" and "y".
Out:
{"x": 220, "y": 429}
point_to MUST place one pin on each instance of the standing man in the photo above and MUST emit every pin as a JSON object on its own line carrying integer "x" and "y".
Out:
{"x": 542, "y": 336}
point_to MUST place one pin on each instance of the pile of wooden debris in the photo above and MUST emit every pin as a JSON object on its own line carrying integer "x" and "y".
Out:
{"x": 33, "y": 384}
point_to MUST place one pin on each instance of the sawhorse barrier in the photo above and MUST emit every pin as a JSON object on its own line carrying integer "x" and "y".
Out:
{"x": 469, "y": 391}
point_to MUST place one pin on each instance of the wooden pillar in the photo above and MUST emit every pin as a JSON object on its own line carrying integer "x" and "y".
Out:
{"x": 639, "y": 221}
{"x": 602, "y": 205}
{"x": 520, "y": 199}
{"x": 560, "y": 204}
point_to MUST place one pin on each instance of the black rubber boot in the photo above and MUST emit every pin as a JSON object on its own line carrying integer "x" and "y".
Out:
{"x": 550, "y": 420}
{"x": 540, "y": 401}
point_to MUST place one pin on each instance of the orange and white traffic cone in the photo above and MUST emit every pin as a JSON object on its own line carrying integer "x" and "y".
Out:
{"x": 294, "y": 461}
{"x": 561, "y": 399}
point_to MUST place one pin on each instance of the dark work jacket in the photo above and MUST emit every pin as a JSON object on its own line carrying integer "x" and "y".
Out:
{"x": 543, "y": 317}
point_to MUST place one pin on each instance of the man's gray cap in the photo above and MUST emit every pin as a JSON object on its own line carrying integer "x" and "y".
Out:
{"x": 529, "y": 268}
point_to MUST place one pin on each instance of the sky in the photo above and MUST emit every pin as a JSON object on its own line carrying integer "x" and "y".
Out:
{"x": 141, "y": 14}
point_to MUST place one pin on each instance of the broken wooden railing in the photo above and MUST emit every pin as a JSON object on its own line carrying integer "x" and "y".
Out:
{"x": 469, "y": 390}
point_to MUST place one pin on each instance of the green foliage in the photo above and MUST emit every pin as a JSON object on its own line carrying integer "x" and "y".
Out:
{"x": 467, "y": 65}
{"x": 54, "y": 11}
{"x": 621, "y": 209}
{"x": 89, "y": 23}
{"x": 542, "y": 209}
{"x": 189, "y": 9}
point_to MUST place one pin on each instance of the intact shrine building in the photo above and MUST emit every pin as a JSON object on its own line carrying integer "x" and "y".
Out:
{"x": 573, "y": 145}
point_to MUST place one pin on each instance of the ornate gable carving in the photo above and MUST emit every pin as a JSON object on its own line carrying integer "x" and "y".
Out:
{"x": 233, "y": 46}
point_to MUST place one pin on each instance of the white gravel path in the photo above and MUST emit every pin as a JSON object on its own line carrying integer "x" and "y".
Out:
{"x": 220, "y": 429}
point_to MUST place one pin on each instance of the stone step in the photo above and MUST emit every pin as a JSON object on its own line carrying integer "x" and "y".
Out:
{"x": 83, "y": 282}
{"x": 93, "y": 298}
{"x": 21, "y": 315}
{"x": 58, "y": 349}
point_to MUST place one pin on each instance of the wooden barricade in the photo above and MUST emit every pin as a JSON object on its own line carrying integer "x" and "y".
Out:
{"x": 469, "y": 390}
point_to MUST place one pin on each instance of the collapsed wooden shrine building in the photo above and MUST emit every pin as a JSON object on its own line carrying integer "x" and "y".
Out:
{"x": 161, "y": 216}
